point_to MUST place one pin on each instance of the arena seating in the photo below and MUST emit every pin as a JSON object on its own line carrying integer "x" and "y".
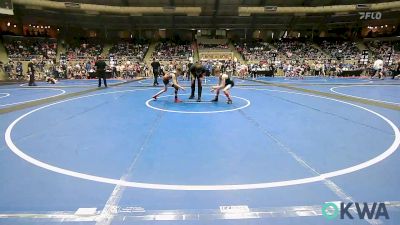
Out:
{"x": 24, "y": 48}
{"x": 255, "y": 51}
{"x": 299, "y": 54}
{"x": 341, "y": 49}
{"x": 299, "y": 49}
{"x": 384, "y": 49}
{"x": 127, "y": 50}
{"x": 83, "y": 49}
{"x": 167, "y": 51}
{"x": 213, "y": 46}
{"x": 380, "y": 47}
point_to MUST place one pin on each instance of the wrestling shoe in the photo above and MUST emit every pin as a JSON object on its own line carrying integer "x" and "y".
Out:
{"x": 178, "y": 101}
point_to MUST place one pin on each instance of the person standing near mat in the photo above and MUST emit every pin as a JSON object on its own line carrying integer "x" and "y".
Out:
{"x": 378, "y": 69}
{"x": 31, "y": 72}
{"x": 225, "y": 83}
{"x": 174, "y": 77}
{"x": 396, "y": 71}
{"x": 19, "y": 70}
{"x": 156, "y": 70}
{"x": 197, "y": 71}
{"x": 101, "y": 70}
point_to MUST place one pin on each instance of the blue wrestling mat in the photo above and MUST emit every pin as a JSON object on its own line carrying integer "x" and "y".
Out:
{"x": 275, "y": 156}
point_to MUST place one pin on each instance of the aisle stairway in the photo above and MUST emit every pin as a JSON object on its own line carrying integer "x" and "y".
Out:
{"x": 106, "y": 50}
{"x": 4, "y": 59}
{"x": 361, "y": 46}
{"x": 60, "y": 49}
{"x": 195, "y": 52}
{"x": 152, "y": 47}
{"x": 236, "y": 54}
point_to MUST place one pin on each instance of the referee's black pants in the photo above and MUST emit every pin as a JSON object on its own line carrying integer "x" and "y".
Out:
{"x": 102, "y": 74}
{"x": 193, "y": 86}
{"x": 155, "y": 82}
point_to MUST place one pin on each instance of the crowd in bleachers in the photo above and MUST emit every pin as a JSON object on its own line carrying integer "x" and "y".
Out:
{"x": 28, "y": 48}
{"x": 298, "y": 49}
{"x": 294, "y": 57}
{"x": 341, "y": 49}
{"x": 289, "y": 68}
{"x": 167, "y": 51}
{"x": 260, "y": 51}
{"x": 225, "y": 66}
{"x": 213, "y": 46}
{"x": 83, "y": 49}
{"x": 384, "y": 49}
{"x": 380, "y": 47}
{"x": 129, "y": 51}
{"x": 86, "y": 69}
{"x": 43, "y": 67}
{"x": 74, "y": 69}
{"x": 388, "y": 51}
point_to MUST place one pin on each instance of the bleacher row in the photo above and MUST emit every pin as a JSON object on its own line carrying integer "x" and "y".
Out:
{"x": 169, "y": 51}
{"x": 24, "y": 49}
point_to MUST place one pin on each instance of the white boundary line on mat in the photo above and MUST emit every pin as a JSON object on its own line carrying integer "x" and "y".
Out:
{"x": 197, "y": 112}
{"x": 5, "y": 95}
{"x": 360, "y": 85}
{"x": 16, "y": 103}
{"x": 63, "y": 84}
{"x": 389, "y": 151}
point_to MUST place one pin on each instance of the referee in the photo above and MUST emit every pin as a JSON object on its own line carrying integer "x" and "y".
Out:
{"x": 198, "y": 71}
{"x": 101, "y": 70}
{"x": 31, "y": 72}
{"x": 156, "y": 70}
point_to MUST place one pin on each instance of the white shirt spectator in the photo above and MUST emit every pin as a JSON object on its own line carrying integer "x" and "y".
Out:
{"x": 378, "y": 64}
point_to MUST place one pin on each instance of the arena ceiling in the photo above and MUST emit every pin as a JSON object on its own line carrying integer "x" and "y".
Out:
{"x": 219, "y": 14}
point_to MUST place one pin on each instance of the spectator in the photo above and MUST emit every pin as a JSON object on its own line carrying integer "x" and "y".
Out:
{"x": 340, "y": 49}
{"x": 28, "y": 48}
{"x": 83, "y": 49}
{"x": 133, "y": 52}
{"x": 31, "y": 72}
{"x": 166, "y": 51}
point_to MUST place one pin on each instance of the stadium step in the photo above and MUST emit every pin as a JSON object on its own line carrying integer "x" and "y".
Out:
{"x": 195, "y": 51}
{"x": 152, "y": 47}
{"x": 4, "y": 59}
{"x": 361, "y": 46}
{"x": 236, "y": 54}
{"x": 106, "y": 50}
{"x": 60, "y": 49}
